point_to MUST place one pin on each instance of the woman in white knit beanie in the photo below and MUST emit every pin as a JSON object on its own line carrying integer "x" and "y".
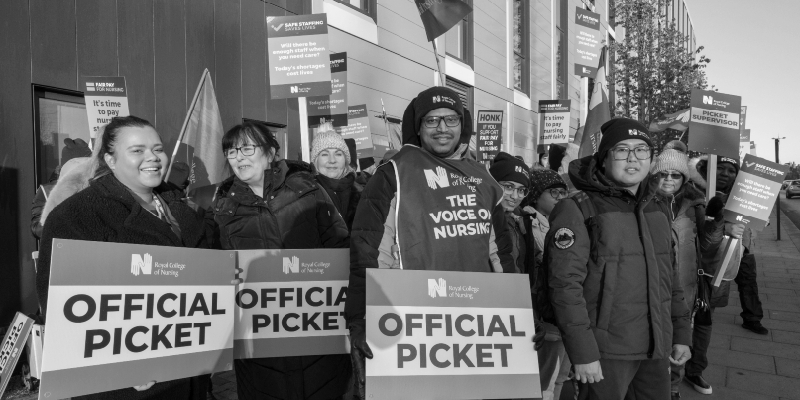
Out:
{"x": 331, "y": 159}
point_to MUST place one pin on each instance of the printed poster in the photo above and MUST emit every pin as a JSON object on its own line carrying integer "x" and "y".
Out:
{"x": 490, "y": 134}
{"x": 744, "y": 143}
{"x": 333, "y": 108}
{"x": 358, "y": 128}
{"x": 11, "y": 347}
{"x": 587, "y": 42}
{"x": 714, "y": 126}
{"x": 299, "y": 61}
{"x": 754, "y": 192}
{"x": 449, "y": 335}
{"x": 106, "y": 97}
{"x": 291, "y": 303}
{"x": 554, "y": 121}
{"x": 122, "y": 315}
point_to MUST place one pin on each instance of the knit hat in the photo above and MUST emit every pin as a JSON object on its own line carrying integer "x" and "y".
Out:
{"x": 74, "y": 149}
{"x": 619, "y": 129}
{"x": 673, "y": 157}
{"x": 729, "y": 160}
{"x": 428, "y": 100}
{"x": 329, "y": 140}
{"x": 509, "y": 168}
{"x": 543, "y": 179}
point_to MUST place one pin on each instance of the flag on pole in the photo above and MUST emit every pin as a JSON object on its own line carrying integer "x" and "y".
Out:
{"x": 199, "y": 144}
{"x": 677, "y": 120}
{"x": 438, "y": 16}
{"x": 599, "y": 112}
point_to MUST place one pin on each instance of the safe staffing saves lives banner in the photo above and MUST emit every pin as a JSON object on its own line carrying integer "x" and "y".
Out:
{"x": 454, "y": 335}
{"x": 754, "y": 192}
{"x": 122, "y": 315}
{"x": 299, "y": 62}
{"x": 291, "y": 303}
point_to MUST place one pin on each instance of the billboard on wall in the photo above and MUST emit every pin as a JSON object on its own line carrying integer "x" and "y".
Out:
{"x": 587, "y": 42}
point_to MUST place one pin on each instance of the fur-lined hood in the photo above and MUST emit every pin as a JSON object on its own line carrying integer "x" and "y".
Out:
{"x": 75, "y": 176}
{"x": 694, "y": 173}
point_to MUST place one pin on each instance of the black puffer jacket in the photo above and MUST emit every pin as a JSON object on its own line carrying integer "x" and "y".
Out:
{"x": 345, "y": 194}
{"x": 614, "y": 286}
{"x": 107, "y": 212}
{"x": 294, "y": 213}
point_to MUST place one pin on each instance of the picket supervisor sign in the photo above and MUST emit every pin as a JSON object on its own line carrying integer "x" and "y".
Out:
{"x": 490, "y": 134}
{"x": 714, "y": 126}
{"x": 299, "y": 61}
{"x": 122, "y": 315}
{"x": 453, "y": 335}
{"x": 106, "y": 97}
{"x": 754, "y": 192}
{"x": 291, "y": 303}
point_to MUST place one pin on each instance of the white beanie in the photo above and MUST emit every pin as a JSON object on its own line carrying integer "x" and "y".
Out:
{"x": 328, "y": 140}
{"x": 673, "y": 157}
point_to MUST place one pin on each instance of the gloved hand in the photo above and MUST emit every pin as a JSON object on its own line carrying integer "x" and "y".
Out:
{"x": 359, "y": 351}
{"x": 714, "y": 207}
{"x": 545, "y": 333}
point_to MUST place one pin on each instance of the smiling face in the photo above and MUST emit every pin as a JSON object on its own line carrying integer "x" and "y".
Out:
{"x": 511, "y": 198}
{"x": 331, "y": 163}
{"x": 441, "y": 140}
{"x": 250, "y": 169}
{"x": 628, "y": 173}
{"x": 138, "y": 158}
{"x": 668, "y": 184}
{"x": 726, "y": 174}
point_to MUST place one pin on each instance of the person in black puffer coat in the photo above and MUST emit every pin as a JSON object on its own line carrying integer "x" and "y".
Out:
{"x": 124, "y": 204}
{"x": 332, "y": 160}
{"x": 270, "y": 204}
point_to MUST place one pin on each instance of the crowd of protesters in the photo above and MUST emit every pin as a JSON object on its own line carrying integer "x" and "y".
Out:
{"x": 619, "y": 246}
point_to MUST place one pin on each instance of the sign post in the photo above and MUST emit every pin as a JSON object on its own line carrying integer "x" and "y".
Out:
{"x": 554, "y": 121}
{"x": 122, "y": 315}
{"x": 490, "y": 134}
{"x": 291, "y": 303}
{"x": 445, "y": 334}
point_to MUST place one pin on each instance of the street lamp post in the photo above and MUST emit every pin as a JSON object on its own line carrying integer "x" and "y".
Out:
{"x": 778, "y": 200}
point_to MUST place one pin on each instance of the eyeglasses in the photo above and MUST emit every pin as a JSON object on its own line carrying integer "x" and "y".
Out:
{"x": 508, "y": 189}
{"x": 449, "y": 120}
{"x": 558, "y": 194}
{"x": 674, "y": 175}
{"x": 622, "y": 153}
{"x": 248, "y": 150}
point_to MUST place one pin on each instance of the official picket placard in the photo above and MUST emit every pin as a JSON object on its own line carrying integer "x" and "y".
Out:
{"x": 291, "y": 303}
{"x": 714, "y": 126}
{"x": 11, "y": 347}
{"x": 744, "y": 143}
{"x": 449, "y": 335}
{"x": 122, "y": 315}
{"x": 358, "y": 129}
{"x": 554, "y": 121}
{"x": 106, "y": 97}
{"x": 333, "y": 108}
{"x": 754, "y": 192}
{"x": 490, "y": 134}
{"x": 587, "y": 42}
{"x": 299, "y": 62}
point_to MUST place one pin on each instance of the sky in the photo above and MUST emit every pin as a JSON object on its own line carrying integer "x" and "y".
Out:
{"x": 755, "y": 53}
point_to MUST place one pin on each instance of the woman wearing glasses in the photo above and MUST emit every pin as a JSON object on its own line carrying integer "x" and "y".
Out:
{"x": 276, "y": 204}
{"x": 512, "y": 175}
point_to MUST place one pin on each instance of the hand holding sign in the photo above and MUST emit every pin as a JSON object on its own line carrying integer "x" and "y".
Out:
{"x": 359, "y": 350}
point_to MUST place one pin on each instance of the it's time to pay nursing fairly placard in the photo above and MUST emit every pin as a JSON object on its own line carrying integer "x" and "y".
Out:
{"x": 453, "y": 335}
{"x": 291, "y": 303}
{"x": 106, "y": 97}
{"x": 122, "y": 315}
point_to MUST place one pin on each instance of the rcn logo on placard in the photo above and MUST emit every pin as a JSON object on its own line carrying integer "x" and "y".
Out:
{"x": 437, "y": 288}
{"x": 291, "y": 265}
{"x": 293, "y": 89}
{"x": 437, "y": 179}
{"x": 708, "y": 99}
{"x": 586, "y": 70}
{"x": 743, "y": 219}
{"x": 141, "y": 264}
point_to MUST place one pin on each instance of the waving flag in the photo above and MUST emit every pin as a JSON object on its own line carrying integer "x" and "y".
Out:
{"x": 438, "y": 16}
{"x": 677, "y": 120}
{"x": 599, "y": 112}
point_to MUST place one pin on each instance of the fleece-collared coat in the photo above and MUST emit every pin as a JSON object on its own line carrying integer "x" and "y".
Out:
{"x": 614, "y": 287}
{"x": 107, "y": 212}
{"x": 294, "y": 213}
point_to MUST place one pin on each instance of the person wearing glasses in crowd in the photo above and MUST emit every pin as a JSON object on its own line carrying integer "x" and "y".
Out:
{"x": 399, "y": 222}
{"x": 513, "y": 176}
{"x": 277, "y": 204}
{"x": 613, "y": 284}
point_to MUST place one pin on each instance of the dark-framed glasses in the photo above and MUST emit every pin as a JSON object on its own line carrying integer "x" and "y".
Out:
{"x": 558, "y": 193}
{"x": 247, "y": 151}
{"x": 449, "y": 120}
{"x": 674, "y": 175}
{"x": 622, "y": 153}
{"x": 508, "y": 189}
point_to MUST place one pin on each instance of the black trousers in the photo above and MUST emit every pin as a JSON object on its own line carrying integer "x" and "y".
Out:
{"x": 630, "y": 380}
{"x": 701, "y": 338}
{"x": 748, "y": 290}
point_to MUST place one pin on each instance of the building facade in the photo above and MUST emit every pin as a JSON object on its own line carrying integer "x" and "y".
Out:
{"x": 507, "y": 55}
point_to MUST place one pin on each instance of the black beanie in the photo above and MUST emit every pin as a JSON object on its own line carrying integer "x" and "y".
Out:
{"x": 619, "y": 129}
{"x": 428, "y": 100}
{"x": 509, "y": 168}
{"x": 556, "y": 154}
{"x": 729, "y": 160}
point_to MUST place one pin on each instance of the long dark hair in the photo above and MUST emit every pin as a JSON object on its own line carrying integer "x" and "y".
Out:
{"x": 109, "y": 138}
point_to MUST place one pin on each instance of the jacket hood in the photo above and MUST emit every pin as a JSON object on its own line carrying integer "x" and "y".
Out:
{"x": 586, "y": 176}
{"x": 694, "y": 173}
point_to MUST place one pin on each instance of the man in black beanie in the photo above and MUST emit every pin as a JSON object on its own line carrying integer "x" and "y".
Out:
{"x": 614, "y": 288}
{"x": 396, "y": 223}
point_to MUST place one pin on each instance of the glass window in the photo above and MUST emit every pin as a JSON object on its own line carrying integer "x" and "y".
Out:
{"x": 368, "y": 7}
{"x": 458, "y": 40}
{"x": 59, "y": 116}
{"x": 521, "y": 46}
